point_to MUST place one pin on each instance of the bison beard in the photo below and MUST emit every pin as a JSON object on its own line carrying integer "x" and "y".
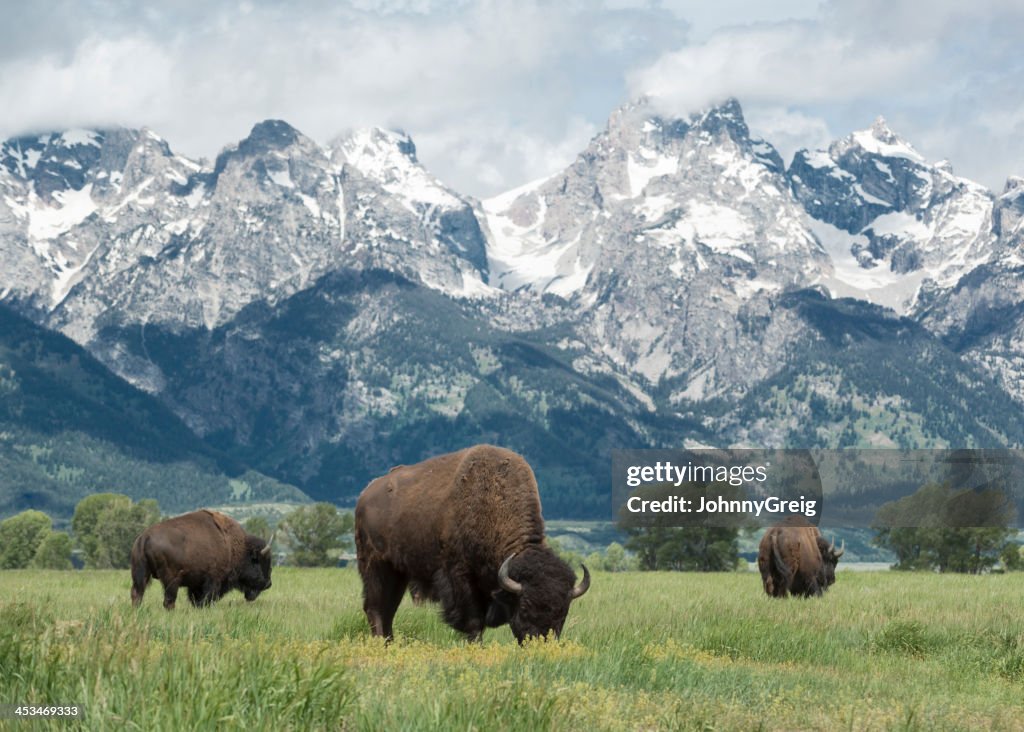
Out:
{"x": 465, "y": 530}
{"x": 795, "y": 558}
{"x": 206, "y": 552}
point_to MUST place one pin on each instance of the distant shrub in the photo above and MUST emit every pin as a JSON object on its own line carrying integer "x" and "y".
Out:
{"x": 54, "y": 552}
{"x": 20, "y": 537}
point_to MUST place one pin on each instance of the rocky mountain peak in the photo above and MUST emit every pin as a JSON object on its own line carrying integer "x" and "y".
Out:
{"x": 372, "y": 150}
{"x": 880, "y": 130}
{"x": 1008, "y": 214}
{"x": 877, "y": 140}
{"x": 388, "y": 159}
{"x": 268, "y": 135}
{"x": 53, "y": 162}
{"x": 725, "y": 118}
{"x": 640, "y": 124}
{"x": 894, "y": 224}
{"x": 1014, "y": 186}
{"x": 268, "y": 140}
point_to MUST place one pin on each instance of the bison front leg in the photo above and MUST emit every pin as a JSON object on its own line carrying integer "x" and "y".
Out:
{"x": 204, "y": 594}
{"x": 170, "y": 595}
{"x": 383, "y": 588}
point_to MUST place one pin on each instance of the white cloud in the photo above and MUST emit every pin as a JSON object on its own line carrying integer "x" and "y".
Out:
{"x": 788, "y": 130}
{"x": 946, "y": 75}
{"x": 497, "y": 92}
{"x": 490, "y": 91}
{"x": 792, "y": 63}
{"x": 506, "y": 156}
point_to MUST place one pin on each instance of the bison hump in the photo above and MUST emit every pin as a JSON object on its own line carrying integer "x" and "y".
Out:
{"x": 223, "y": 521}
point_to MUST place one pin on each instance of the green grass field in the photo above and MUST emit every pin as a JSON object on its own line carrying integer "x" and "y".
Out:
{"x": 641, "y": 651}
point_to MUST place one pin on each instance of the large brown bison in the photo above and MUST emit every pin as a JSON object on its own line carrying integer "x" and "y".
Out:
{"x": 794, "y": 558}
{"x": 464, "y": 529}
{"x": 206, "y": 552}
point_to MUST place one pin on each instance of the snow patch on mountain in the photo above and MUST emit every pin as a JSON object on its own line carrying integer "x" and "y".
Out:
{"x": 46, "y": 222}
{"x": 880, "y": 140}
{"x": 849, "y": 278}
{"x": 390, "y": 159}
{"x": 646, "y": 165}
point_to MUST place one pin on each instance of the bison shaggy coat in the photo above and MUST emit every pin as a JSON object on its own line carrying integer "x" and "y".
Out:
{"x": 206, "y": 552}
{"x": 795, "y": 558}
{"x": 465, "y": 529}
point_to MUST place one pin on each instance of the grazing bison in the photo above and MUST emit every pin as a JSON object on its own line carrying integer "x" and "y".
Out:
{"x": 205, "y": 551}
{"x": 795, "y": 558}
{"x": 464, "y": 529}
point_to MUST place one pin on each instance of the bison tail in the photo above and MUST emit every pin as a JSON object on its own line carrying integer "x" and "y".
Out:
{"x": 781, "y": 567}
{"x": 140, "y": 569}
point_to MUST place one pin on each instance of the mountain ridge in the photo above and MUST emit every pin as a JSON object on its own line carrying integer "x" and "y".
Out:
{"x": 329, "y": 310}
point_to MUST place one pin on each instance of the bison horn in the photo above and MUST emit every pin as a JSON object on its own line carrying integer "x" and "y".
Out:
{"x": 580, "y": 589}
{"x": 842, "y": 549}
{"x": 265, "y": 551}
{"x": 506, "y": 582}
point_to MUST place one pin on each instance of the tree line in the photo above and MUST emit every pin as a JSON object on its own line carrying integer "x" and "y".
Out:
{"x": 105, "y": 525}
{"x": 936, "y": 528}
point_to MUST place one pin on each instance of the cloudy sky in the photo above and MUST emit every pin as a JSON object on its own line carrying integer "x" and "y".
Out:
{"x": 496, "y": 93}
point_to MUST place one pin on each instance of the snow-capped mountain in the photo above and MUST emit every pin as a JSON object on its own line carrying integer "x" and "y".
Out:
{"x": 982, "y": 315}
{"x": 324, "y": 311}
{"x": 890, "y": 221}
{"x": 113, "y": 224}
{"x": 669, "y": 238}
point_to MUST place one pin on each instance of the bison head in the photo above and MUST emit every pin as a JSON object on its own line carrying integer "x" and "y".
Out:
{"x": 829, "y": 559}
{"x": 254, "y": 572}
{"x": 536, "y": 590}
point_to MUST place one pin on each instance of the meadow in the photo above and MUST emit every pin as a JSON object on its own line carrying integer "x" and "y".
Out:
{"x": 641, "y": 651}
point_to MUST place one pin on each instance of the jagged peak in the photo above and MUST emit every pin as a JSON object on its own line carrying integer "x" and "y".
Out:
{"x": 730, "y": 108}
{"x": 273, "y": 133}
{"x": 881, "y": 130}
{"x": 374, "y": 142}
{"x": 389, "y": 157}
{"x": 880, "y": 139}
{"x": 727, "y": 117}
{"x": 642, "y": 115}
{"x": 69, "y": 138}
{"x": 268, "y": 136}
{"x": 1014, "y": 186}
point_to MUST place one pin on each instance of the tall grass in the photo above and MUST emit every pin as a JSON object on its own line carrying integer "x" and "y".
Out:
{"x": 639, "y": 652}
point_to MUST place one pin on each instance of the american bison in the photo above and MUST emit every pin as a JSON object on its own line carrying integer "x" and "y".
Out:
{"x": 205, "y": 551}
{"x": 463, "y": 529}
{"x": 795, "y": 558}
